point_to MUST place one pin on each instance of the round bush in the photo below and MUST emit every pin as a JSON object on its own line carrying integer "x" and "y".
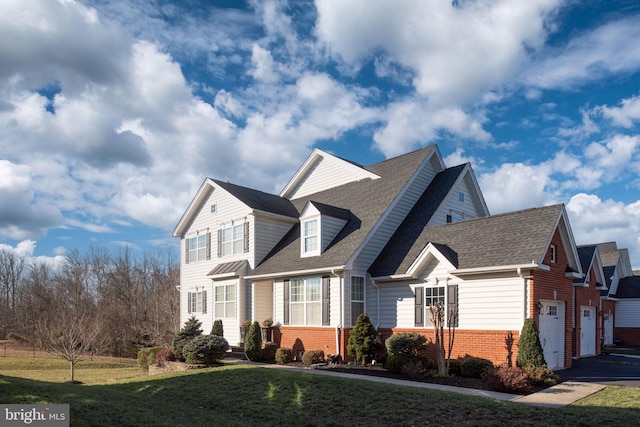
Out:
{"x": 474, "y": 367}
{"x": 269, "y": 352}
{"x": 312, "y": 356}
{"x": 206, "y": 349}
{"x": 395, "y": 362}
{"x": 405, "y": 343}
{"x": 455, "y": 366}
{"x": 147, "y": 356}
{"x": 284, "y": 355}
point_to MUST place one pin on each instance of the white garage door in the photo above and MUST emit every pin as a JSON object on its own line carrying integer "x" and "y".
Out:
{"x": 587, "y": 331}
{"x": 552, "y": 333}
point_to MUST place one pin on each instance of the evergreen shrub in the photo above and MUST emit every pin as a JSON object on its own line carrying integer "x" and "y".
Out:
{"x": 405, "y": 344}
{"x": 508, "y": 380}
{"x": 147, "y": 356}
{"x": 192, "y": 328}
{"x": 310, "y": 357}
{"x": 530, "y": 351}
{"x": 269, "y": 352}
{"x": 217, "y": 328}
{"x": 284, "y": 355}
{"x": 474, "y": 367}
{"x": 362, "y": 340}
{"x": 253, "y": 343}
{"x": 206, "y": 349}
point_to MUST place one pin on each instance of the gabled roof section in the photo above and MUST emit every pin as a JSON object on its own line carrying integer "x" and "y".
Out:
{"x": 404, "y": 242}
{"x": 366, "y": 200}
{"x": 254, "y": 199}
{"x": 511, "y": 240}
{"x": 320, "y": 162}
{"x": 590, "y": 260}
{"x": 629, "y": 287}
{"x": 331, "y": 211}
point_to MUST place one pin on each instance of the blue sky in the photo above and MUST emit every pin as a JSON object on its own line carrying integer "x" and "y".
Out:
{"x": 112, "y": 112}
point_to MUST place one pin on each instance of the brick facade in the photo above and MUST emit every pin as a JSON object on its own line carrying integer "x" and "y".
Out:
{"x": 555, "y": 285}
{"x": 303, "y": 338}
{"x": 628, "y": 336}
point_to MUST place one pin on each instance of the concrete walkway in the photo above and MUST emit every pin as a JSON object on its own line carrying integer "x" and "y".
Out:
{"x": 557, "y": 396}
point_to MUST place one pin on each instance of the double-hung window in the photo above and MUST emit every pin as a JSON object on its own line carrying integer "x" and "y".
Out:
{"x": 197, "y": 248}
{"x": 225, "y": 301}
{"x": 197, "y": 302}
{"x": 430, "y": 295}
{"x": 233, "y": 240}
{"x": 306, "y": 301}
{"x": 310, "y": 238}
{"x": 357, "y": 298}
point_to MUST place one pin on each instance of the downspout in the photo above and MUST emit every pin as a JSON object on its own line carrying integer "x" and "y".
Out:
{"x": 339, "y": 325}
{"x": 525, "y": 280}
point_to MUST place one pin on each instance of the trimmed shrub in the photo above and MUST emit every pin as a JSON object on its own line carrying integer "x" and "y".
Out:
{"x": 192, "y": 328}
{"x": 147, "y": 356}
{"x": 408, "y": 366}
{"x": 474, "y": 367}
{"x": 530, "y": 351}
{"x": 165, "y": 355}
{"x": 217, "y": 328}
{"x": 395, "y": 363}
{"x": 284, "y": 355}
{"x": 269, "y": 352}
{"x": 413, "y": 369}
{"x": 206, "y": 349}
{"x": 253, "y": 343}
{"x": 405, "y": 344}
{"x": 455, "y": 367}
{"x": 362, "y": 340}
{"x": 310, "y": 357}
{"x": 541, "y": 375}
{"x": 509, "y": 380}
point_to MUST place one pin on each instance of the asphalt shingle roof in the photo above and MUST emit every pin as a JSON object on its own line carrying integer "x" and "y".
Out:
{"x": 585, "y": 253}
{"x": 260, "y": 200}
{"x": 629, "y": 287}
{"x": 508, "y": 239}
{"x": 365, "y": 200}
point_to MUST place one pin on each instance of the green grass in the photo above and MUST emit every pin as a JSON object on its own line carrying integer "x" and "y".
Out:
{"x": 254, "y": 396}
{"x": 629, "y": 351}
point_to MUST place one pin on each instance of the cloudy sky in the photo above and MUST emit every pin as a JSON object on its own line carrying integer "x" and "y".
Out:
{"x": 112, "y": 112}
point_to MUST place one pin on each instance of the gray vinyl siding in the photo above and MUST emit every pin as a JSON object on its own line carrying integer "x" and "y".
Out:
{"x": 470, "y": 208}
{"x": 390, "y": 223}
{"x": 628, "y": 313}
{"x": 267, "y": 233}
{"x": 330, "y": 228}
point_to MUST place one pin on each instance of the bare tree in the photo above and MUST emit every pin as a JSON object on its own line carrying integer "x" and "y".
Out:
{"x": 443, "y": 354}
{"x": 11, "y": 269}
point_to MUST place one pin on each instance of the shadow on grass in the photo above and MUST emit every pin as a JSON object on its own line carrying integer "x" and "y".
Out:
{"x": 255, "y": 396}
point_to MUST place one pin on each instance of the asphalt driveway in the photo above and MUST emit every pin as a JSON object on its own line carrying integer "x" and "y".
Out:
{"x": 605, "y": 369}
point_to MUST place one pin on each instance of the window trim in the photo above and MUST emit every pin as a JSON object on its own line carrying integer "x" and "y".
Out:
{"x": 323, "y": 300}
{"x": 197, "y": 302}
{"x": 553, "y": 253}
{"x": 199, "y": 256}
{"x": 304, "y": 252}
{"x": 239, "y": 244}
{"x": 226, "y": 301}
{"x": 422, "y": 314}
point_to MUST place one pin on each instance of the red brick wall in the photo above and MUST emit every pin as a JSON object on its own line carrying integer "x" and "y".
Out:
{"x": 480, "y": 343}
{"x": 628, "y": 336}
{"x": 588, "y": 297}
{"x": 544, "y": 283}
{"x": 302, "y": 338}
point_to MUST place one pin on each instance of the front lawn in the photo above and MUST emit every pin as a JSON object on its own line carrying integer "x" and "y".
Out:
{"x": 247, "y": 396}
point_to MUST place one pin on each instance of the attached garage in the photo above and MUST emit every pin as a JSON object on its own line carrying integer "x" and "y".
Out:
{"x": 587, "y": 331}
{"x": 551, "y": 325}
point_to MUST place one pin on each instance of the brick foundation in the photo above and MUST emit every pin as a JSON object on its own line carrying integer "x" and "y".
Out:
{"x": 302, "y": 338}
{"x": 628, "y": 336}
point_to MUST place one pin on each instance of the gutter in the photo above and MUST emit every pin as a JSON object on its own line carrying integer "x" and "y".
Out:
{"x": 295, "y": 273}
{"x": 339, "y": 325}
{"x": 501, "y": 268}
{"x": 373, "y": 282}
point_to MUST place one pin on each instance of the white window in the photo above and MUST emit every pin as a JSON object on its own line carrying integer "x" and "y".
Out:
{"x": 552, "y": 249}
{"x": 225, "y": 301}
{"x": 461, "y": 197}
{"x": 310, "y": 241}
{"x": 305, "y": 303}
{"x": 197, "y": 248}
{"x": 357, "y": 298}
{"x": 214, "y": 208}
{"x": 428, "y": 296}
{"x": 232, "y": 240}
{"x": 197, "y": 302}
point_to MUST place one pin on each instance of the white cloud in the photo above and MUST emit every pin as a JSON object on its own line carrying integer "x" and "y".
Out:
{"x": 594, "y": 221}
{"x": 626, "y": 115}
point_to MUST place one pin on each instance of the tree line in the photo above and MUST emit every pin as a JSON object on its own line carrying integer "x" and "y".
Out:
{"x": 94, "y": 301}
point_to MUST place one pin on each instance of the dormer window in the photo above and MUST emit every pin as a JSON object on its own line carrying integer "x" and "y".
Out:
{"x": 310, "y": 239}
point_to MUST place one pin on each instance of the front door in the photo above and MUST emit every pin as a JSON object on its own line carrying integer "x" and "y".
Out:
{"x": 552, "y": 333}
{"x": 587, "y": 331}
{"x": 608, "y": 329}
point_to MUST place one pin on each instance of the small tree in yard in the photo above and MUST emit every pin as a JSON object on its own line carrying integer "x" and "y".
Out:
{"x": 253, "y": 343}
{"x": 530, "y": 351}
{"x": 362, "y": 340}
{"x": 191, "y": 329}
{"x": 443, "y": 354}
{"x": 217, "y": 328}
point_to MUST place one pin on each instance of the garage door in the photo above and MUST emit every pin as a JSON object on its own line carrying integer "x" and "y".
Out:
{"x": 551, "y": 327}
{"x": 587, "y": 331}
